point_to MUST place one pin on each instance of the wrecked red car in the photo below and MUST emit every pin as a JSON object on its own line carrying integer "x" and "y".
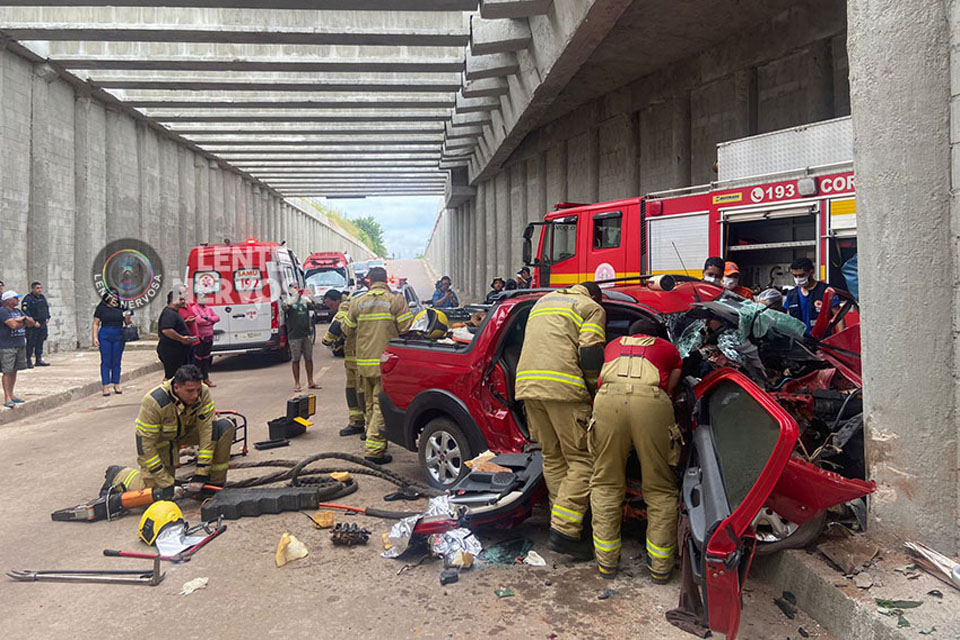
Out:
{"x": 769, "y": 412}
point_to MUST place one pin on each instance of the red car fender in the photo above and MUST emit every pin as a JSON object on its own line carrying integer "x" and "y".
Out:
{"x": 804, "y": 490}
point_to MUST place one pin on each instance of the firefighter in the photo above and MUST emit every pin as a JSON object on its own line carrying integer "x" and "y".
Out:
{"x": 633, "y": 409}
{"x": 374, "y": 319}
{"x": 556, "y": 378}
{"x": 731, "y": 281}
{"x": 180, "y": 411}
{"x": 335, "y": 337}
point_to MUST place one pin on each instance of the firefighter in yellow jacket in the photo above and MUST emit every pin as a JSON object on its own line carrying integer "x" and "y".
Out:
{"x": 633, "y": 409}
{"x": 556, "y": 378}
{"x": 374, "y": 319}
{"x": 335, "y": 337}
{"x": 179, "y": 412}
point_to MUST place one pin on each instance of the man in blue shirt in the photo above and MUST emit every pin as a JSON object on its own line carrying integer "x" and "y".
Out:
{"x": 804, "y": 301}
{"x": 444, "y": 297}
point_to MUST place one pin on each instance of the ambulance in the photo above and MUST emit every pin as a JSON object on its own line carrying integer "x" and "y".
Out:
{"x": 780, "y": 196}
{"x": 246, "y": 284}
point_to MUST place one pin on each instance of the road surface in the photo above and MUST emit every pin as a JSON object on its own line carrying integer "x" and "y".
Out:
{"x": 57, "y": 459}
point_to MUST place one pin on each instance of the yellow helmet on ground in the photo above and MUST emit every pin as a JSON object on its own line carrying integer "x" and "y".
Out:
{"x": 156, "y": 517}
{"x": 433, "y": 324}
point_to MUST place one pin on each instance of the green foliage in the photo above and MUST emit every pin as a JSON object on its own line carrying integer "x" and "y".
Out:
{"x": 374, "y": 232}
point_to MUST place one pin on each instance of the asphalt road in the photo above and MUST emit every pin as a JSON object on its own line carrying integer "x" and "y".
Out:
{"x": 57, "y": 459}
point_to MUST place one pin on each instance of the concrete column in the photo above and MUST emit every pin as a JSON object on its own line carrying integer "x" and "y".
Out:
{"x": 556, "y": 177}
{"x": 617, "y": 152}
{"x": 149, "y": 178}
{"x": 476, "y": 288}
{"x": 583, "y": 167}
{"x": 479, "y": 263}
{"x": 52, "y": 208}
{"x": 908, "y": 228}
{"x": 15, "y": 113}
{"x": 502, "y": 204}
{"x": 90, "y": 195}
{"x": 490, "y": 214}
{"x": 174, "y": 253}
{"x": 665, "y": 138}
{"x": 193, "y": 229}
{"x": 205, "y": 220}
{"x": 518, "y": 215}
{"x": 123, "y": 177}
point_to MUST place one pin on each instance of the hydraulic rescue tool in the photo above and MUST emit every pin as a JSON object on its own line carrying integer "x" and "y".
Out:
{"x": 115, "y": 504}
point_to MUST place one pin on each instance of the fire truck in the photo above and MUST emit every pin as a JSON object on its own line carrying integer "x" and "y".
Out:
{"x": 779, "y": 196}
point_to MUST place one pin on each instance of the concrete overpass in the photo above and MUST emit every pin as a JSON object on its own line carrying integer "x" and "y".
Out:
{"x": 185, "y": 121}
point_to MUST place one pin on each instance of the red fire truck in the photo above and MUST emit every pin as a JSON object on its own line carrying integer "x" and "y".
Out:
{"x": 763, "y": 222}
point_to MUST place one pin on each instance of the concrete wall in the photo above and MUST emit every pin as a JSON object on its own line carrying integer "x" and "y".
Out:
{"x": 77, "y": 173}
{"x": 659, "y": 132}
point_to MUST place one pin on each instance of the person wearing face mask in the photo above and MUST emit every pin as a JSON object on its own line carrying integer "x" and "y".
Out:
{"x": 804, "y": 301}
{"x": 731, "y": 281}
{"x": 713, "y": 270}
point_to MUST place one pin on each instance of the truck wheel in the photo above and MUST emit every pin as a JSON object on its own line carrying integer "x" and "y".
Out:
{"x": 798, "y": 537}
{"x": 443, "y": 451}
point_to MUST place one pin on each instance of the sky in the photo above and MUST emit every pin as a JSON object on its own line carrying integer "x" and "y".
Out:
{"x": 406, "y": 220}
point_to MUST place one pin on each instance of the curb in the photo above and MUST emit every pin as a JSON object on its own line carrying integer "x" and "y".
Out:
{"x": 58, "y": 399}
{"x": 813, "y": 583}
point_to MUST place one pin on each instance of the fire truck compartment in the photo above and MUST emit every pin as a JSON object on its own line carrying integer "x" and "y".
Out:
{"x": 763, "y": 243}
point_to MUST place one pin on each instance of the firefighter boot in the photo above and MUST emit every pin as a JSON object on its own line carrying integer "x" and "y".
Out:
{"x": 572, "y": 547}
{"x": 356, "y": 425}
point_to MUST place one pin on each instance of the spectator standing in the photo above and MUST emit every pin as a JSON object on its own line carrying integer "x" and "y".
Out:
{"x": 445, "y": 297}
{"x": 524, "y": 278}
{"x": 496, "y": 286}
{"x": 13, "y": 344}
{"x": 36, "y": 306}
{"x": 191, "y": 321}
{"x": 109, "y": 319}
{"x": 299, "y": 321}
{"x": 175, "y": 339}
{"x": 202, "y": 327}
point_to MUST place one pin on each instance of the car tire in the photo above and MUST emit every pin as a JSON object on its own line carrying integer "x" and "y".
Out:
{"x": 443, "y": 451}
{"x": 805, "y": 535}
{"x": 284, "y": 354}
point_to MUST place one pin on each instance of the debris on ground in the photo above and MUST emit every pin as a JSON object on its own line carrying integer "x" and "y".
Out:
{"x": 486, "y": 456}
{"x": 927, "y": 631}
{"x": 349, "y": 535}
{"x": 385, "y": 539}
{"x": 322, "y": 519}
{"x": 290, "y": 549}
{"x": 803, "y": 632}
{"x": 193, "y": 585}
{"x": 461, "y": 560}
{"x": 935, "y": 563}
{"x": 414, "y": 565}
{"x": 504, "y": 592}
{"x": 401, "y": 533}
{"x": 508, "y": 551}
{"x": 936, "y": 593}
{"x": 787, "y": 603}
{"x": 534, "y": 559}
{"x": 849, "y": 554}
{"x": 864, "y": 580}
{"x": 449, "y": 576}
{"x": 607, "y": 593}
{"x": 895, "y": 608}
{"x": 450, "y": 543}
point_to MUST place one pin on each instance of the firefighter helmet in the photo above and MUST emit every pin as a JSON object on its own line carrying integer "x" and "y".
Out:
{"x": 433, "y": 324}
{"x": 156, "y": 517}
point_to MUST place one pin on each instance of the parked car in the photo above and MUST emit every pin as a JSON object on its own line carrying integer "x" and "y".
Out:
{"x": 246, "y": 283}
{"x": 746, "y": 470}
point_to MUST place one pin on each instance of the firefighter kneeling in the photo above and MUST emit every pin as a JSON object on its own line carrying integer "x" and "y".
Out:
{"x": 178, "y": 412}
{"x": 633, "y": 409}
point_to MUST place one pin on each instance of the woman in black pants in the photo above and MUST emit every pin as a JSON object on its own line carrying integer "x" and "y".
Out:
{"x": 175, "y": 341}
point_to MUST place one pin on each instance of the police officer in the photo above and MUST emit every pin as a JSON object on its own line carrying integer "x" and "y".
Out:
{"x": 180, "y": 412}
{"x": 335, "y": 338}
{"x": 556, "y": 378}
{"x": 633, "y": 410}
{"x": 35, "y": 305}
{"x": 374, "y": 319}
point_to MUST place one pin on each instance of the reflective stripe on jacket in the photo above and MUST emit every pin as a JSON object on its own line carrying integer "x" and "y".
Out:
{"x": 560, "y": 324}
{"x": 349, "y": 342}
{"x": 374, "y": 319}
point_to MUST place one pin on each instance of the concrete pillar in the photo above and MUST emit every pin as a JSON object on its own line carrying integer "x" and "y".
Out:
{"x": 90, "y": 196}
{"x": 205, "y": 220}
{"x": 664, "y": 137}
{"x": 149, "y": 177}
{"x": 15, "y": 116}
{"x": 582, "y": 167}
{"x": 518, "y": 215}
{"x": 556, "y": 174}
{"x": 480, "y": 260}
{"x": 617, "y": 151}
{"x": 490, "y": 214}
{"x": 908, "y": 227}
{"x": 502, "y": 204}
{"x": 123, "y": 177}
{"x": 192, "y": 228}
{"x": 52, "y": 207}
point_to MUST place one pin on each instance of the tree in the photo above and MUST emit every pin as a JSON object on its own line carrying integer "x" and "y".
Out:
{"x": 373, "y": 232}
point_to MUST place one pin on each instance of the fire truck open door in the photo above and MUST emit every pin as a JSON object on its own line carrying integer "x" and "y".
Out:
{"x": 841, "y": 244}
{"x": 764, "y": 240}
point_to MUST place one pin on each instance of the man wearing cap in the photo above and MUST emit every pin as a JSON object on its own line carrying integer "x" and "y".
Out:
{"x": 496, "y": 286}
{"x": 731, "y": 281}
{"x": 13, "y": 344}
{"x": 523, "y": 278}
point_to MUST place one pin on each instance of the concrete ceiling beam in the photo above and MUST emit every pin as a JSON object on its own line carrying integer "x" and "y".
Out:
{"x": 498, "y": 36}
{"x": 471, "y": 119}
{"x": 459, "y": 144}
{"x": 514, "y": 8}
{"x": 249, "y": 103}
{"x": 496, "y": 65}
{"x": 476, "y": 105}
{"x": 452, "y": 132}
{"x": 282, "y": 129}
{"x": 453, "y": 164}
{"x": 322, "y": 5}
{"x": 357, "y": 154}
{"x": 484, "y": 88}
{"x": 275, "y": 116}
{"x": 335, "y": 167}
{"x": 253, "y": 84}
{"x": 300, "y": 64}
{"x": 233, "y": 34}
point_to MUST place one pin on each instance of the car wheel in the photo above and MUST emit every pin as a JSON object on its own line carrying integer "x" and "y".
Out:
{"x": 284, "y": 354}
{"x": 785, "y": 534}
{"x": 443, "y": 452}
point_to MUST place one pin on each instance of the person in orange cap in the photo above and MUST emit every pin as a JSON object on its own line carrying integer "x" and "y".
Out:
{"x": 731, "y": 280}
